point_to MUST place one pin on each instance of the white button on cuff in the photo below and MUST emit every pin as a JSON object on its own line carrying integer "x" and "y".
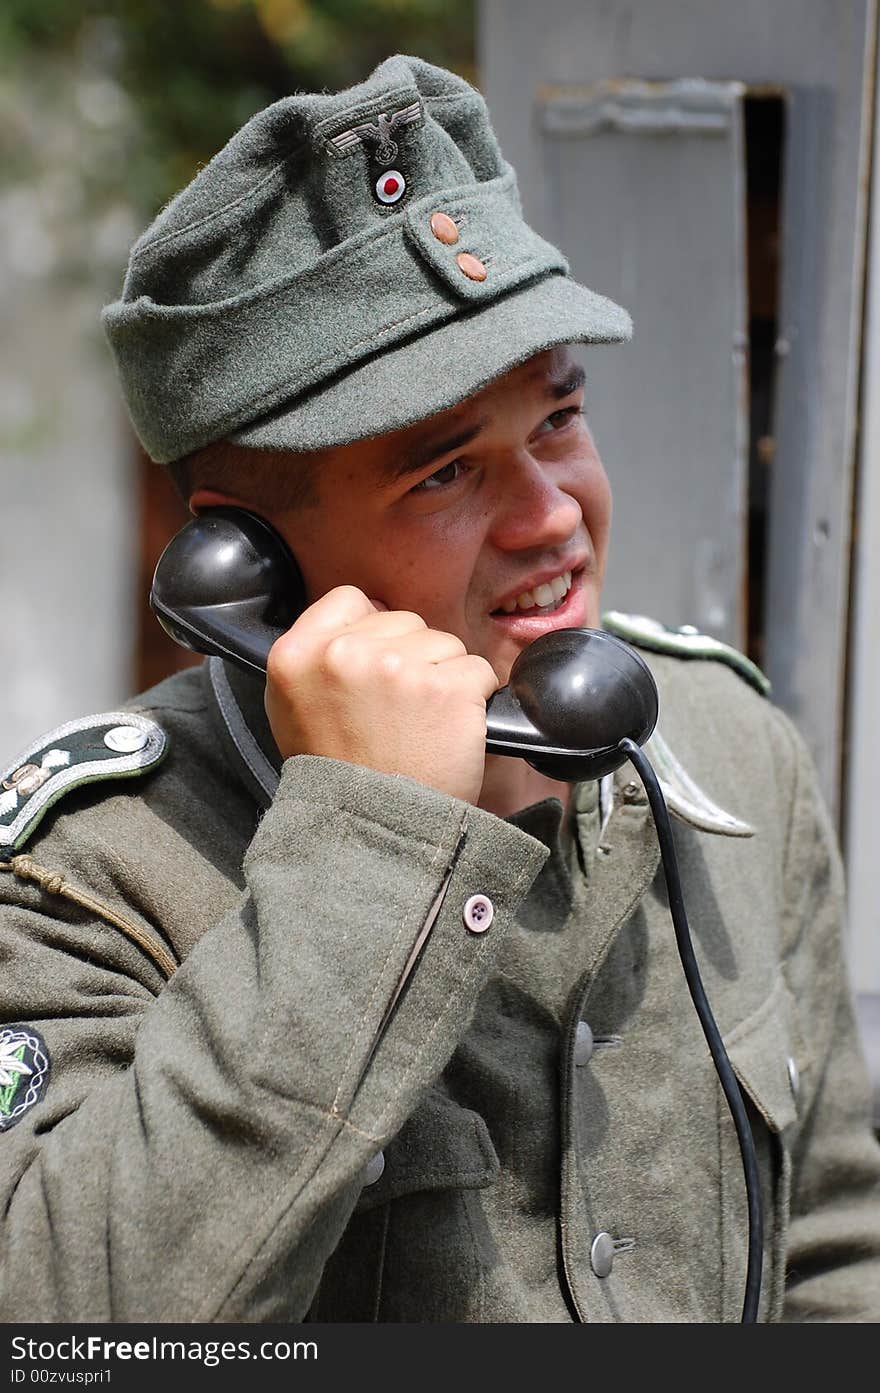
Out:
{"x": 125, "y": 740}
{"x": 374, "y": 1168}
{"x": 478, "y": 913}
{"x": 583, "y": 1044}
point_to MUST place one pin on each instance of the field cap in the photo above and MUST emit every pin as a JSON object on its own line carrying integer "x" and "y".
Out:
{"x": 349, "y": 264}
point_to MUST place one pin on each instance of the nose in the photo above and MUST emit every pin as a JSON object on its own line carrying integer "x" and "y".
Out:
{"x": 533, "y": 507}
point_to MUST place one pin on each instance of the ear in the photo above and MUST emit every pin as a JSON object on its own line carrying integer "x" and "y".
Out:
{"x": 212, "y": 498}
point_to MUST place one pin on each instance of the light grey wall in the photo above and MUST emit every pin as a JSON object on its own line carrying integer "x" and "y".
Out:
{"x": 68, "y": 529}
{"x": 68, "y": 525}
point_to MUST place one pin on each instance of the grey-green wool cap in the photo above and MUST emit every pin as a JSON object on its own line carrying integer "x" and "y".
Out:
{"x": 302, "y": 292}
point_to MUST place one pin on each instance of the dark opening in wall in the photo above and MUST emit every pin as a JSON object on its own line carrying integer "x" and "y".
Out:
{"x": 764, "y": 142}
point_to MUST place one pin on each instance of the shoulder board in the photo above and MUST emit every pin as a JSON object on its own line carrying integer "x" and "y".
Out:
{"x": 114, "y": 745}
{"x": 686, "y": 642}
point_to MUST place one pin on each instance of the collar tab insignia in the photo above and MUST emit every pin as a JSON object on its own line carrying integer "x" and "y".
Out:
{"x": 685, "y": 799}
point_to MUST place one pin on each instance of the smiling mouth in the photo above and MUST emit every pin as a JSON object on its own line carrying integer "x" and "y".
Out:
{"x": 543, "y": 599}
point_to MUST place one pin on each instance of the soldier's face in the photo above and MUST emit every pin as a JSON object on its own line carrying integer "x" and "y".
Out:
{"x": 497, "y": 538}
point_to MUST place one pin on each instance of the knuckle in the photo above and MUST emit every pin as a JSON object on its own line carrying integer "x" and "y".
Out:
{"x": 390, "y": 663}
{"x": 485, "y": 673}
{"x": 284, "y": 655}
{"x": 340, "y": 655}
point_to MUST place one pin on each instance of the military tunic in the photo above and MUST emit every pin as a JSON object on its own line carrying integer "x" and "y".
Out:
{"x": 354, "y": 1100}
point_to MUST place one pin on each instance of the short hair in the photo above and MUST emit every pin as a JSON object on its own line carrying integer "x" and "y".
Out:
{"x": 280, "y": 480}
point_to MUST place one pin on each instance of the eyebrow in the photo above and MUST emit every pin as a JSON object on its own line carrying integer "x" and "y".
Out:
{"x": 430, "y": 446}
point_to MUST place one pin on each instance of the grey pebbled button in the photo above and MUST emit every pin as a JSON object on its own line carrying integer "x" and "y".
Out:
{"x": 602, "y": 1254}
{"x": 374, "y": 1168}
{"x": 126, "y": 740}
{"x": 583, "y": 1044}
{"x": 794, "y": 1077}
{"x": 478, "y": 913}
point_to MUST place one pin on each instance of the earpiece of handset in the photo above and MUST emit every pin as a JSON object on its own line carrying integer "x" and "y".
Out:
{"x": 227, "y": 585}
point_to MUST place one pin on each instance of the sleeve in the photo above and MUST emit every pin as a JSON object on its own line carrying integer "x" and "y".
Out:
{"x": 200, "y": 1146}
{"x": 833, "y": 1265}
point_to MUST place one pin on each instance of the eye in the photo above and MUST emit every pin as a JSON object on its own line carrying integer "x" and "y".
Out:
{"x": 442, "y": 478}
{"x": 564, "y": 417}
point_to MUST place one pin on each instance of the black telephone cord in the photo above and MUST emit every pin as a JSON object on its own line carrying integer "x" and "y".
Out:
{"x": 713, "y": 1036}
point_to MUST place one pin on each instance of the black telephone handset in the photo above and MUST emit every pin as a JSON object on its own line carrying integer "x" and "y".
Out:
{"x": 579, "y": 703}
{"x": 227, "y": 585}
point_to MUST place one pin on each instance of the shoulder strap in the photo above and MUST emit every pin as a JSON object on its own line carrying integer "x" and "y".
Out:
{"x": 113, "y": 745}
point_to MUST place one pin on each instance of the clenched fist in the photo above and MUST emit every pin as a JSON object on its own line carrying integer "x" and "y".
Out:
{"x": 378, "y": 688}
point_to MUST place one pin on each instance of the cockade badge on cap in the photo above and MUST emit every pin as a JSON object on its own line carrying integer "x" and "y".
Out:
{"x": 378, "y": 137}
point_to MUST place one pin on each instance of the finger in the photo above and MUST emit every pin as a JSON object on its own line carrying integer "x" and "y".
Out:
{"x": 420, "y": 646}
{"x": 408, "y": 653}
{"x": 473, "y": 672}
{"x": 339, "y": 609}
{"x": 388, "y": 624}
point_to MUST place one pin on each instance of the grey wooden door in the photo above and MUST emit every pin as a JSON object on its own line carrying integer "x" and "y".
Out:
{"x": 645, "y": 184}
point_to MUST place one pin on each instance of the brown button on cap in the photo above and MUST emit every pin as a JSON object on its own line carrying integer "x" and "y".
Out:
{"x": 472, "y": 267}
{"x": 443, "y": 228}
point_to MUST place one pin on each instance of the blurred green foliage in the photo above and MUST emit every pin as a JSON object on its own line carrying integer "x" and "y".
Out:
{"x": 188, "y": 73}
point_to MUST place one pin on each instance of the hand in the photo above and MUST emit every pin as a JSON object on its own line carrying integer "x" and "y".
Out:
{"x": 378, "y": 688}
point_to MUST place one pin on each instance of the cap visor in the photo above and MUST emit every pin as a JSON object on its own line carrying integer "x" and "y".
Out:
{"x": 434, "y": 371}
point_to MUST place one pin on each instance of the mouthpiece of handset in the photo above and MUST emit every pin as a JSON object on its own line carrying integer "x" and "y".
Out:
{"x": 573, "y": 695}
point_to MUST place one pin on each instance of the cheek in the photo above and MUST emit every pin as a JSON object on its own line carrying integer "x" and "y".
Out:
{"x": 594, "y": 496}
{"x": 407, "y": 568}
{"x": 432, "y": 570}
{"x": 429, "y": 567}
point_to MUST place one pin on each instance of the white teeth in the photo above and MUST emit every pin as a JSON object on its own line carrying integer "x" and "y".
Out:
{"x": 543, "y": 595}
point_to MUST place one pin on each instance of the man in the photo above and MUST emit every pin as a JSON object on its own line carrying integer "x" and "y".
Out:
{"x": 323, "y": 1012}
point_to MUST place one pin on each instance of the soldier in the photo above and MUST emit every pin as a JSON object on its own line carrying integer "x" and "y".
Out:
{"x": 309, "y": 1007}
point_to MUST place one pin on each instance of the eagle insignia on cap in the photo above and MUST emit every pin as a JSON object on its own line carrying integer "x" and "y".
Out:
{"x": 377, "y": 134}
